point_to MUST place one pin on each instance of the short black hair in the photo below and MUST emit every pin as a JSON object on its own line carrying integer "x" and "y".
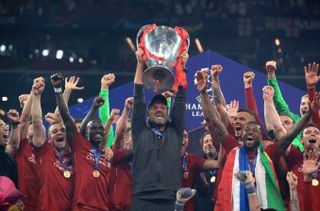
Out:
{"x": 250, "y": 112}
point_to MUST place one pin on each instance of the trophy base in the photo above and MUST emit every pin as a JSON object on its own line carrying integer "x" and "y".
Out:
{"x": 158, "y": 78}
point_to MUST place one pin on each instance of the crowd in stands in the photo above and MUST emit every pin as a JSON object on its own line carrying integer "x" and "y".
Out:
{"x": 83, "y": 164}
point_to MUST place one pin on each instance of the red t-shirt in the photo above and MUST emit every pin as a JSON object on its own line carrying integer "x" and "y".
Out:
{"x": 121, "y": 186}
{"x": 55, "y": 191}
{"x": 90, "y": 192}
{"x": 308, "y": 195}
{"x": 27, "y": 180}
{"x": 192, "y": 165}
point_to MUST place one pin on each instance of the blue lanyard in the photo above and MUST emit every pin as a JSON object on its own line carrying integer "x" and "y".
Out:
{"x": 252, "y": 167}
{"x": 184, "y": 162}
{"x": 157, "y": 133}
{"x": 315, "y": 175}
{"x": 212, "y": 172}
{"x": 96, "y": 155}
{"x": 61, "y": 159}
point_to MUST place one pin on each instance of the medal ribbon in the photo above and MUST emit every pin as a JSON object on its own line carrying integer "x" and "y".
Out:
{"x": 252, "y": 167}
{"x": 61, "y": 159}
{"x": 96, "y": 155}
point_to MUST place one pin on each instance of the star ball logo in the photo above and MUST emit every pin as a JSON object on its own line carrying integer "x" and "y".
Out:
{"x": 194, "y": 107}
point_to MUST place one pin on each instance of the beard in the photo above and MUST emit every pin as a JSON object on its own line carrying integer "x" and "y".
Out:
{"x": 212, "y": 155}
{"x": 157, "y": 121}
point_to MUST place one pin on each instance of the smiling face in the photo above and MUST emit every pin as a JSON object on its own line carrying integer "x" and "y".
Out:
{"x": 240, "y": 120}
{"x": 4, "y": 133}
{"x": 311, "y": 138}
{"x": 185, "y": 142}
{"x": 304, "y": 105}
{"x": 95, "y": 132}
{"x": 158, "y": 114}
{"x": 57, "y": 136}
{"x": 251, "y": 136}
{"x": 208, "y": 147}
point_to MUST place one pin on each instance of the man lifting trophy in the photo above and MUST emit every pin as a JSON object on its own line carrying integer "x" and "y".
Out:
{"x": 163, "y": 47}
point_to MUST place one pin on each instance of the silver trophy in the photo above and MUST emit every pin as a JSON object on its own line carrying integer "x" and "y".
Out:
{"x": 161, "y": 45}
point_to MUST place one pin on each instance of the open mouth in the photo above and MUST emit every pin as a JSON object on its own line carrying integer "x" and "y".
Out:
{"x": 5, "y": 136}
{"x": 237, "y": 127}
{"x": 312, "y": 141}
{"x": 97, "y": 136}
{"x": 250, "y": 139}
{"x": 60, "y": 139}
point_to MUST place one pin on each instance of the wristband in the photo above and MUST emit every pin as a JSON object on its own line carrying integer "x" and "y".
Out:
{"x": 250, "y": 188}
{"x": 57, "y": 90}
{"x": 178, "y": 206}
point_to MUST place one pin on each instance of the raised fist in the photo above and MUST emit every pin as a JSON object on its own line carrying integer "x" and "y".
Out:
{"x": 56, "y": 80}
{"x": 268, "y": 92}
{"x": 13, "y": 117}
{"x": 107, "y": 80}
{"x": 139, "y": 55}
{"x": 98, "y": 102}
{"x": 168, "y": 93}
{"x": 216, "y": 69}
{"x": 248, "y": 78}
{"x": 22, "y": 99}
{"x": 271, "y": 66}
{"x": 202, "y": 81}
{"x": 129, "y": 102}
{"x": 38, "y": 86}
{"x": 50, "y": 118}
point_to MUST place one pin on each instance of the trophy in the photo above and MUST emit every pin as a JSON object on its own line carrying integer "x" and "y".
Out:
{"x": 162, "y": 47}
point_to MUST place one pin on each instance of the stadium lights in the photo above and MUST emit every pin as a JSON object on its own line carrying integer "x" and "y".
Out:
{"x": 59, "y": 54}
{"x": 45, "y": 52}
{"x": 198, "y": 44}
{"x": 277, "y": 42}
{"x": 80, "y": 100}
{"x": 3, "y": 48}
{"x": 80, "y": 60}
{"x": 130, "y": 43}
{"x": 4, "y": 98}
{"x": 71, "y": 59}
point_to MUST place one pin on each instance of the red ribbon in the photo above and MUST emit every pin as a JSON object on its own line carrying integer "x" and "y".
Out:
{"x": 147, "y": 53}
{"x": 180, "y": 74}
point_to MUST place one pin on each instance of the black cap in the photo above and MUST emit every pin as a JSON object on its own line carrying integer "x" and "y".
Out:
{"x": 158, "y": 99}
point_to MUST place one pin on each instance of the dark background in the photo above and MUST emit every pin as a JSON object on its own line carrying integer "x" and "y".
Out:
{"x": 95, "y": 31}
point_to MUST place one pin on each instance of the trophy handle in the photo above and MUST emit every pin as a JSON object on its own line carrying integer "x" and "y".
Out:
{"x": 140, "y": 32}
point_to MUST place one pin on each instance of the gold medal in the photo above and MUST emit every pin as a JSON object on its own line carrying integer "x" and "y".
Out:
{"x": 96, "y": 173}
{"x": 315, "y": 182}
{"x": 67, "y": 174}
{"x": 212, "y": 179}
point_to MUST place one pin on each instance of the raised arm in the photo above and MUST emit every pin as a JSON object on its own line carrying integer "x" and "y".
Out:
{"x": 108, "y": 126}
{"x": 97, "y": 102}
{"x": 211, "y": 115}
{"x": 122, "y": 123}
{"x": 312, "y": 78}
{"x": 70, "y": 85}
{"x": 217, "y": 94}
{"x": 14, "y": 138}
{"x": 251, "y": 100}
{"x": 104, "y": 111}
{"x": 39, "y": 132}
{"x": 26, "y": 112}
{"x": 293, "y": 183}
{"x": 71, "y": 129}
{"x": 139, "y": 105}
{"x": 275, "y": 121}
{"x": 279, "y": 102}
{"x": 286, "y": 140}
